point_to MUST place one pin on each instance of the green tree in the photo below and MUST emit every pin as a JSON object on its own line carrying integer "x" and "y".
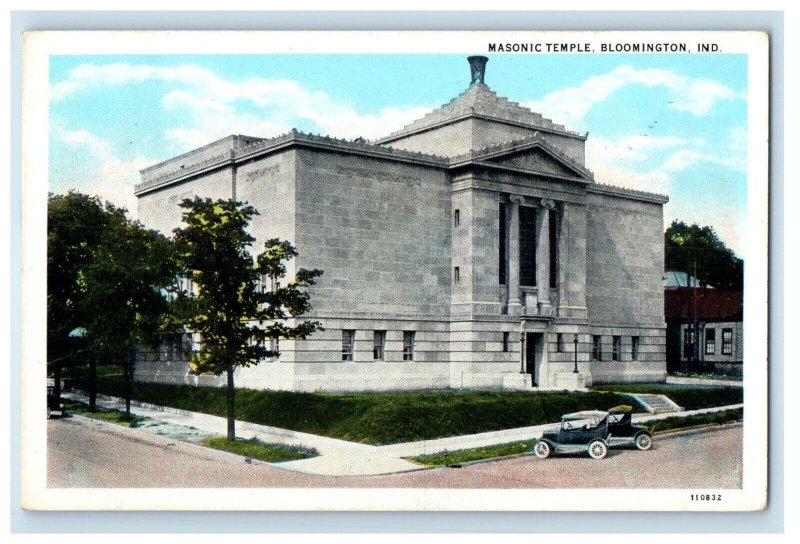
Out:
{"x": 233, "y": 316}
{"x": 126, "y": 281}
{"x": 699, "y": 252}
{"x": 106, "y": 279}
{"x": 75, "y": 223}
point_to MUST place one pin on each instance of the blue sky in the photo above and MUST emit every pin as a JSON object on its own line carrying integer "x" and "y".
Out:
{"x": 672, "y": 124}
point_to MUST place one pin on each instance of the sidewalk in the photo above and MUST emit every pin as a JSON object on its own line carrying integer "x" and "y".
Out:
{"x": 340, "y": 457}
{"x": 686, "y": 380}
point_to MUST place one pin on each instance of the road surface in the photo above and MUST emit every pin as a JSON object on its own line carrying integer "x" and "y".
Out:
{"x": 96, "y": 454}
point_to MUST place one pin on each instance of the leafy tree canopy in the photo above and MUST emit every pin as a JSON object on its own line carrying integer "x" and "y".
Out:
{"x": 233, "y": 315}
{"x": 699, "y": 252}
{"x": 106, "y": 277}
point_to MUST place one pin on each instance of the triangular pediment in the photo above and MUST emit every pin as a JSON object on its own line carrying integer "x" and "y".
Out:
{"x": 534, "y": 160}
{"x": 532, "y": 154}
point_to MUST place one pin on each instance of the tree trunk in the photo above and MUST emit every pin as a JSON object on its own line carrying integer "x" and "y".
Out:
{"x": 92, "y": 383}
{"x": 128, "y": 385}
{"x": 231, "y": 405}
{"x": 57, "y": 383}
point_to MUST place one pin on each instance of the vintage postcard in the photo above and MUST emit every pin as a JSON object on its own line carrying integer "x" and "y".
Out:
{"x": 395, "y": 270}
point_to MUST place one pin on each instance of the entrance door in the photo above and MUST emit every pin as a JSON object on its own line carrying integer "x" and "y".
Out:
{"x": 532, "y": 351}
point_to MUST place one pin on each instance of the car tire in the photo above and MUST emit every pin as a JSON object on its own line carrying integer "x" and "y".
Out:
{"x": 597, "y": 449}
{"x": 643, "y": 441}
{"x": 542, "y": 450}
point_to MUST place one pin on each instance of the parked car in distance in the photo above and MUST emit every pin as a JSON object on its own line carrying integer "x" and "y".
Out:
{"x": 593, "y": 431}
{"x": 53, "y": 403}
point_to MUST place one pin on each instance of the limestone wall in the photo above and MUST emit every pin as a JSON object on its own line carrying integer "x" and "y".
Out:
{"x": 160, "y": 209}
{"x": 624, "y": 261}
{"x": 268, "y": 185}
{"x": 379, "y": 230}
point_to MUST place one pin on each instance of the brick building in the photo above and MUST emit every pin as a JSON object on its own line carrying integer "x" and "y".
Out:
{"x": 704, "y": 330}
{"x": 471, "y": 249}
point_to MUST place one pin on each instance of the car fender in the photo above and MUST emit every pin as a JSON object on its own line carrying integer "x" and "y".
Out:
{"x": 546, "y": 441}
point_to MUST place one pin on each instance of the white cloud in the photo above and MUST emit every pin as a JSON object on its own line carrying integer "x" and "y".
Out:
{"x": 684, "y": 158}
{"x": 648, "y": 162}
{"x": 219, "y": 107}
{"x": 633, "y": 147}
{"x": 619, "y": 161}
{"x": 112, "y": 179}
{"x": 695, "y": 96}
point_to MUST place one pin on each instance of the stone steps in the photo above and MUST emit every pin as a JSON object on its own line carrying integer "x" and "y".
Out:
{"x": 656, "y": 404}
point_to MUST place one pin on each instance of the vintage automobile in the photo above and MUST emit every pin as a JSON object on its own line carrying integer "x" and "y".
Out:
{"x": 579, "y": 431}
{"x": 622, "y": 432}
{"x": 53, "y": 404}
{"x": 593, "y": 431}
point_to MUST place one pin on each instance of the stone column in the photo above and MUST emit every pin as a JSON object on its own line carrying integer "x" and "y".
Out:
{"x": 543, "y": 250}
{"x": 514, "y": 302}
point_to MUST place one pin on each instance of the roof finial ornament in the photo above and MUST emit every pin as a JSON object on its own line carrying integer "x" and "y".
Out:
{"x": 477, "y": 65}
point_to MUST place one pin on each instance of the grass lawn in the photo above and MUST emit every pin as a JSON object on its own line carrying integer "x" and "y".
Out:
{"x": 258, "y": 450}
{"x": 690, "y": 397}
{"x": 457, "y": 457}
{"x": 378, "y": 418}
{"x": 446, "y": 458}
{"x": 110, "y": 416}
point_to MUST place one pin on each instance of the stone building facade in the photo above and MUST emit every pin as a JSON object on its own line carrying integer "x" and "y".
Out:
{"x": 471, "y": 249}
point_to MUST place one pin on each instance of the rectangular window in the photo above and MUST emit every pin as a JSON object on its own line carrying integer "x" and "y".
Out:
{"x": 553, "y": 248}
{"x": 502, "y": 244}
{"x": 616, "y": 347}
{"x": 456, "y": 218}
{"x": 379, "y": 342}
{"x": 560, "y": 342}
{"x": 275, "y": 347}
{"x": 408, "y": 345}
{"x": 688, "y": 343}
{"x": 347, "y": 345}
{"x": 634, "y": 348}
{"x": 711, "y": 341}
{"x": 457, "y": 275}
{"x": 506, "y": 342}
{"x": 263, "y": 282}
{"x": 727, "y": 341}
{"x": 527, "y": 246}
{"x": 597, "y": 347}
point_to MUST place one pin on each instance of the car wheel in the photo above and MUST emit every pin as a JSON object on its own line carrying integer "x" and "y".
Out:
{"x": 644, "y": 441}
{"x": 597, "y": 449}
{"x": 542, "y": 450}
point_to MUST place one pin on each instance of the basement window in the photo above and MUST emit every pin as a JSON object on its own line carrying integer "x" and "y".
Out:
{"x": 408, "y": 345}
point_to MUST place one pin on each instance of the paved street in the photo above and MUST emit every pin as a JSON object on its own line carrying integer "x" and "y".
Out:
{"x": 94, "y": 454}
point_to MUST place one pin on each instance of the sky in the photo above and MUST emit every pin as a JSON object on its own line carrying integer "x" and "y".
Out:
{"x": 670, "y": 124}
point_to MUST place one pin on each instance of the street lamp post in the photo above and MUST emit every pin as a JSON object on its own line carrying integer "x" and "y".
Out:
{"x": 80, "y": 333}
{"x": 522, "y": 346}
{"x": 575, "y": 342}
